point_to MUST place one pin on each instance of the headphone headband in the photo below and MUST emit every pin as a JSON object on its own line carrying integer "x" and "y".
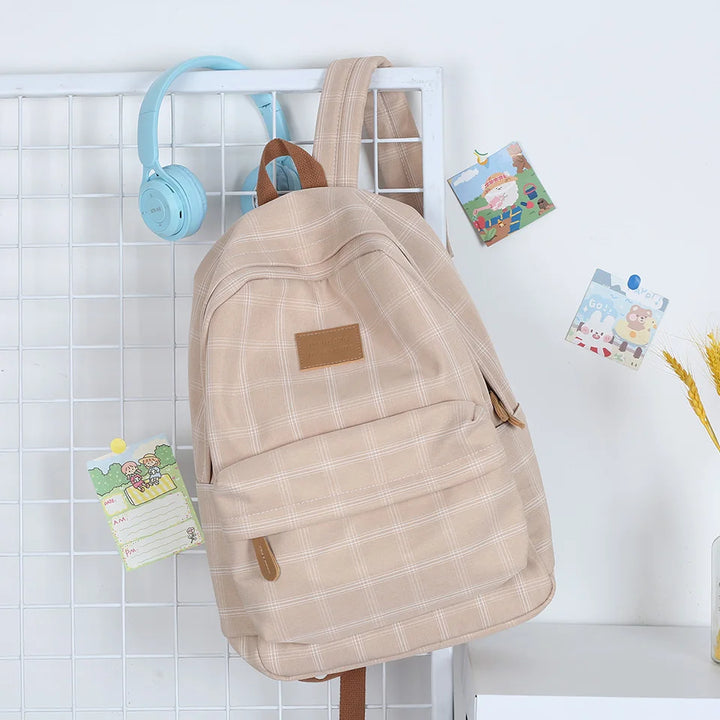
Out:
{"x": 150, "y": 109}
{"x": 171, "y": 199}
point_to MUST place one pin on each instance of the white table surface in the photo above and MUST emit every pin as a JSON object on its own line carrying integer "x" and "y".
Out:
{"x": 587, "y": 672}
{"x": 597, "y": 661}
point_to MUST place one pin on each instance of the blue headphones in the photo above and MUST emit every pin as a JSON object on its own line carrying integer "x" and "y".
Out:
{"x": 172, "y": 200}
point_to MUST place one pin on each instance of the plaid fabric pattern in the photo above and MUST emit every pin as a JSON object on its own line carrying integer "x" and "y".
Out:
{"x": 345, "y": 106}
{"x": 403, "y": 514}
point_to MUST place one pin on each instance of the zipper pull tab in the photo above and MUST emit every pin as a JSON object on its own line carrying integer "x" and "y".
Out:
{"x": 502, "y": 412}
{"x": 266, "y": 559}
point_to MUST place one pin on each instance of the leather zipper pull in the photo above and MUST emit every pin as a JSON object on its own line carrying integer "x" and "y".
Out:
{"x": 266, "y": 559}
{"x": 502, "y": 412}
{"x": 498, "y": 407}
{"x": 515, "y": 422}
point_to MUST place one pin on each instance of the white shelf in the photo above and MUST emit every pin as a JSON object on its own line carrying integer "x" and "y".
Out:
{"x": 588, "y": 672}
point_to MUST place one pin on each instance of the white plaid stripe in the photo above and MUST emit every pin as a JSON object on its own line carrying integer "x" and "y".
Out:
{"x": 402, "y": 519}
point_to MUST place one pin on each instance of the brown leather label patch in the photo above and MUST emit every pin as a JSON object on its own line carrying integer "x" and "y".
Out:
{"x": 333, "y": 346}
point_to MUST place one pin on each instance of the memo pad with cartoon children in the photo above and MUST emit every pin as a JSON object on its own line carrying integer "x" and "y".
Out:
{"x": 145, "y": 501}
{"x": 501, "y": 193}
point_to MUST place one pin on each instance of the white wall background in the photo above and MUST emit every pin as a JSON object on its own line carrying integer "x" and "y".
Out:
{"x": 616, "y": 104}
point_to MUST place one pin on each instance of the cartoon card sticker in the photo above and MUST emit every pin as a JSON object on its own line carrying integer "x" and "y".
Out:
{"x": 617, "y": 319}
{"x": 501, "y": 193}
{"x": 146, "y": 503}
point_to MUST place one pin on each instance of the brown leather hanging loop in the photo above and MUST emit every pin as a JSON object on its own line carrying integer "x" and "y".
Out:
{"x": 352, "y": 692}
{"x": 310, "y": 171}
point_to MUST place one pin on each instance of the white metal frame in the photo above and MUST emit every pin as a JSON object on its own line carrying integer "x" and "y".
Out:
{"x": 428, "y": 81}
{"x": 23, "y": 87}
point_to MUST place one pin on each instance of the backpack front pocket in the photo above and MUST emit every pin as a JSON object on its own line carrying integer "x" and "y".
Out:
{"x": 371, "y": 524}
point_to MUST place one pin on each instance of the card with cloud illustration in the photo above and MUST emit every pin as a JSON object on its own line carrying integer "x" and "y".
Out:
{"x": 617, "y": 318}
{"x": 501, "y": 193}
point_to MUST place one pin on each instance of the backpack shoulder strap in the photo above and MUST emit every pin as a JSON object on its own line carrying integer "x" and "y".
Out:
{"x": 344, "y": 106}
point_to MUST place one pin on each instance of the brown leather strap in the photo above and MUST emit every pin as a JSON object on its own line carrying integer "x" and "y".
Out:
{"x": 309, "y": 170}
{"x": 352, "y": 692}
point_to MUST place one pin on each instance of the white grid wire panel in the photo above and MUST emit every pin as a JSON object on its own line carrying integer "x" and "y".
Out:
{"x": 94, "y": 313}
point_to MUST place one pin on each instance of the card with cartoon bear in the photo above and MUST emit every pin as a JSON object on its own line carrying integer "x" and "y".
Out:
{"x": 146, "y": 503}
{"x": 501, "y": 193}
{"x": 617, "y": 319}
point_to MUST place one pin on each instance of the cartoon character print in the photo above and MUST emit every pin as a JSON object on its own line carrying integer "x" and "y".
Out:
{"x": 499, "y": 231}
{"x": 500, "y": 191}
{"x": 544, "y": 206}
{"x": 502, "y": 195}
{"x": 596, "y": 334}
{"x": 130, "y": 470}
{"x": 152, "y": 463}
{"x": 518, "y": 159}
{"x": 636, "y": 328}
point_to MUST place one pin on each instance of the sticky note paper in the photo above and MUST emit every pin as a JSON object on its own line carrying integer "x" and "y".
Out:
{"x": 146, "y": 503}
{"x": 617, "y": 318}
{"x": 501, "y": 193}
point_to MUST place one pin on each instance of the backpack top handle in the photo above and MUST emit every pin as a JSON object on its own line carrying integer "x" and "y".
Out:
{"x": 310, "y": 171}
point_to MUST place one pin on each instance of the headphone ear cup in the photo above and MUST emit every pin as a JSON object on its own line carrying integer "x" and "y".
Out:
{"x": 287, "y": 176}
{"x": 287, "y": 180}
{"x": 247, "y": 202}
{"x": 173, "y": 204}
{"x": 161, "y": 206}
{"x": 194, "y": 202}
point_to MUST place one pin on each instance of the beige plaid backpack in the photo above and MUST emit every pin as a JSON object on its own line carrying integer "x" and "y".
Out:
{"x": 367, "y": 484}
